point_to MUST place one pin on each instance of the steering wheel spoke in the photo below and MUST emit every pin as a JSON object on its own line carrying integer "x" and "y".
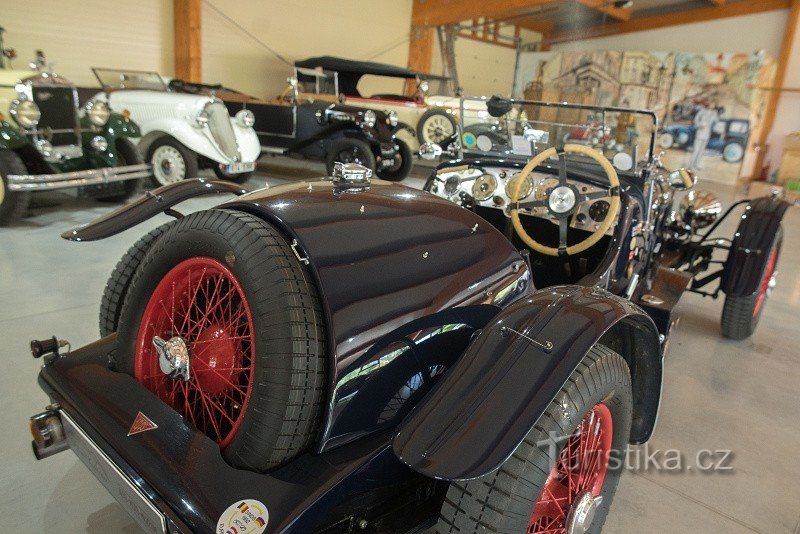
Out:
{"x": 562, "y": 168}
{"x": 563, "y": 225}
{"x": 533, "y": 204}
{"x": 597, "y": 194}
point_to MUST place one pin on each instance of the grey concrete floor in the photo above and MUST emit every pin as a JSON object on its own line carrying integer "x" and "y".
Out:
{"x": 718, "y": 395}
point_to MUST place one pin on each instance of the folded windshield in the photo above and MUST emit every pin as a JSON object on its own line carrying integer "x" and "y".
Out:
{"x": 112, "y": 79}
{"x": 525, "y": 128}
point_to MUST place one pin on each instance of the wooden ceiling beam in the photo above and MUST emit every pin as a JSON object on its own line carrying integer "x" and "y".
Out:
{"x": 607, "y": 7}
{"x": 539, "y": 26}
{"x": 188, "y": 30}
{"x": 439, "y": 12}
{"x": 718, "y": 2}
{"x": 702, "y": 14}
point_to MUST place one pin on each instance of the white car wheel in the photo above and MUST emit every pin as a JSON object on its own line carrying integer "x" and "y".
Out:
{"x": 169, "y": 166}
{"x": 666, "y": 140}
{"x": 436, "y": 127}
{"x": 733, "y": 152}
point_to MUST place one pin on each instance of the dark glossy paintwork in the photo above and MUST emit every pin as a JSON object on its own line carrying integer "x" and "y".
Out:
{"x": 495, "y": 393}
{"x": 439, "y": 257}
{"x": 749, "y": 251}
{"x": 306, "y": 129}
{"x": 148, "y": 205}
{"x": 182, "y": 471}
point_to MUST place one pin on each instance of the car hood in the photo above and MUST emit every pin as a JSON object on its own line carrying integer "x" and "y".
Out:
{"x": 120, "y": 99}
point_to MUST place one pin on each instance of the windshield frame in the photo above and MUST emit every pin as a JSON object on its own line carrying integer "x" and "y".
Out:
{"x": 462, "y": 153}
{"x": 157, "y": 79}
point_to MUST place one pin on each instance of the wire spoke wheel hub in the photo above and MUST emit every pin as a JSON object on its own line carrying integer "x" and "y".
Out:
{"x": 570, "y": 496}
{"x": 201, "y": 308}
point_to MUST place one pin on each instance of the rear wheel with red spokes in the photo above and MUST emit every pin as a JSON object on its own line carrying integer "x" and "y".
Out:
{"x": 574, "y": 492}
{"x": 741, "y": 313}
{"x": 223, "y": 324}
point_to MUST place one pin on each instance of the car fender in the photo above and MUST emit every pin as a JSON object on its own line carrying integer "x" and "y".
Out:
{"x": 402, "y": 126}
{"x": 148, "y": 205}
{"x": 198, "y": 140}
{"x": 11, "y": 138}
{"x": 491, "y": 398}
{"x": 749, "y": 252}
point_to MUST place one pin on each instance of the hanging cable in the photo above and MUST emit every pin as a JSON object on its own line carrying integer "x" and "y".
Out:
{"x": 243, "y": 30}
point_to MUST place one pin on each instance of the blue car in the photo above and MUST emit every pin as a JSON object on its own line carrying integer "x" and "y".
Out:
{"x": 729, "y": 137}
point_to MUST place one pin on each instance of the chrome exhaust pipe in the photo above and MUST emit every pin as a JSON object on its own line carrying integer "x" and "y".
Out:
{"x": 48, "y": 434}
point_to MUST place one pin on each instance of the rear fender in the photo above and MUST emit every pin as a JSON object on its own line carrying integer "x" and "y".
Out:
{"x": 403, "y": 127}
{"x": 749, "y": 250}
{"x": 148, "y": 205}
{"x": 478, "y": 414}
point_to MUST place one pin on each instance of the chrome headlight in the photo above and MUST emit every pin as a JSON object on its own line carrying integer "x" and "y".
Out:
{"x": 392, "y": 118}
{"x": 25, "y": 113}
{"x": 370, "y": 118}
{"x": 98, "y": 112}
{"x": 245, "y": 118}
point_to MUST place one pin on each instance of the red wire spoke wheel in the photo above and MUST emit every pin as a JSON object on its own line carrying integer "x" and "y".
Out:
{"x": 579, "y": 473}
{"x": 222, "y": 322}
{"x": 202, "y": 303}
{"x": 562, "y": 477}
{"x": 765, "y": 282}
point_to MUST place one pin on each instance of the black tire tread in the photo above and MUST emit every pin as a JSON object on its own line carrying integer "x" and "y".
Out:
{"x": 335, "y": 147}
{"x": 488, "y": 503}
{"x": 120, "y": 280}
{"x": 283, "y": 417}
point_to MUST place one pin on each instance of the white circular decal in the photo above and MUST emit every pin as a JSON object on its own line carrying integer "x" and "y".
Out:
{"x": 484, "y": 143}
{"x": 623, "y": 161}
{"x": 248, "y": 516}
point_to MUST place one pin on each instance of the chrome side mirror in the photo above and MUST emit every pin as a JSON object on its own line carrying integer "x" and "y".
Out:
{"x": 430, "y": 151}
{"x": 700, "y": 209}
{"x": 682, "y": 179}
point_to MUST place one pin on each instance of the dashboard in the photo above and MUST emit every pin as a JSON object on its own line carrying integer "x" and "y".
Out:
{"x": 491, "y": 187}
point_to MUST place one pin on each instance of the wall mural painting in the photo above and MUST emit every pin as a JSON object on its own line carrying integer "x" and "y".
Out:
{"x": 707, "y": 105}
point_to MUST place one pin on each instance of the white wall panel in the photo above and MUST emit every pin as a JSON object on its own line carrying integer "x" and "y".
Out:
{"x": 76, "y": 36}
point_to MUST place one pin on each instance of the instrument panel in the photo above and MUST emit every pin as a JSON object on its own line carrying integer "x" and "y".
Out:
{"x": 493, "y": 188}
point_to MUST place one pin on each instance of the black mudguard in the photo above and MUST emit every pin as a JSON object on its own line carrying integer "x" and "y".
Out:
{"x": 401, "y": 126}
{"x": 148, "y": 205}
{"x": 478, "y": 414}
{"x": 749, "y": 250}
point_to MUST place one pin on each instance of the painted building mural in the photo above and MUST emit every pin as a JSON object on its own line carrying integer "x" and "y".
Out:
{"x": 708, "y": 105}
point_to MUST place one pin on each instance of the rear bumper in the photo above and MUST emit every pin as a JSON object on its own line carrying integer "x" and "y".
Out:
{"x": 50, "y": 182}
{"x": 174, "y": 476}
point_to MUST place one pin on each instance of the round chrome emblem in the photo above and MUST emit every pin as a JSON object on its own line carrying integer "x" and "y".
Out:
{"x": 582, "y": 513}
{"x": 562, "y": 199}
{"x": 173, "y": 357}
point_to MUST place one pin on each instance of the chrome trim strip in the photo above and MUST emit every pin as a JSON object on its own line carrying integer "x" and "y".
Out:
{"x": 50, "y": 182}
{"x": 120, "y": 487}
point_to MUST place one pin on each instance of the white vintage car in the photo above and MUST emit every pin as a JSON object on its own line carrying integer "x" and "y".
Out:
{"x": 182, "y": 133}
{"x": 432, "y": 118}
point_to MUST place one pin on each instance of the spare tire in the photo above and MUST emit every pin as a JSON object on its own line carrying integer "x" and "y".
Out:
{"x": 245, "y": 336}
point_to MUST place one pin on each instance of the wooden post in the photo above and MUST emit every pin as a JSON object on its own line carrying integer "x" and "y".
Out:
{"x": 780, "y": 75}
{"x": 187, "y": 16}
{"x": 420, "y": 54}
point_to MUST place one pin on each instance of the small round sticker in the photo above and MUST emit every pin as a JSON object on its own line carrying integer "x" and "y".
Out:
{"x": 469, "y": 140}
{"x": 244, "y": 517}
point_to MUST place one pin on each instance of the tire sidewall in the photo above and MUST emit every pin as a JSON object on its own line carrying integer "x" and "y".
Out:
{"x": 424, "y": 120}
{"x": 190, "y": 163}
{"x": 395, "y": 175}
{"x": 336, "y": 147}
{"x": 13, "y": 204}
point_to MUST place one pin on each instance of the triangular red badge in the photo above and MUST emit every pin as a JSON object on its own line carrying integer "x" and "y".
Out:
{"x": 141, "y": 424}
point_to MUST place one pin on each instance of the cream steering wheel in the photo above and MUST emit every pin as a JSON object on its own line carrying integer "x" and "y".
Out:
{"x": 563, "y": 200}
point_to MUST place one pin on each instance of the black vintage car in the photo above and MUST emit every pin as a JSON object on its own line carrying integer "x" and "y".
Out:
{"x": 353, "y": 355}
{"x": 302, "y": 121}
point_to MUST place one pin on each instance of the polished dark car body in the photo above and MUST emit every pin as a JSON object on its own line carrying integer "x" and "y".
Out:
{"x": 415, "y": 321}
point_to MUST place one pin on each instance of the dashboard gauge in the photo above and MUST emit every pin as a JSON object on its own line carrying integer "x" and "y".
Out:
{"x": 543, "y": 187}
{"x": 451, "y": 184}
{"x": 527, "y": 187}
{"x": 598, "y": 210}
{"x": 484, "y": 187}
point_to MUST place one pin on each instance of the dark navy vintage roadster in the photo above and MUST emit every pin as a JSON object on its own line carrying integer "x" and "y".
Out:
{"x": 352, "y": 355}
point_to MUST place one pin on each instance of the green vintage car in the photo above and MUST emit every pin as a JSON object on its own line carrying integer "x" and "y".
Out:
{"x": 49, "y": 142}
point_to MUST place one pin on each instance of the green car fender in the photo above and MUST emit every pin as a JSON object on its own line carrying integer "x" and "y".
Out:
{"x": 116, "y": 126}
{"x": 11, "y": 137}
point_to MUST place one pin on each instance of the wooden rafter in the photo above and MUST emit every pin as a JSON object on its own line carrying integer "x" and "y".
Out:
{"x": 187, "y": 15}
{"x": 702, "y": 14}
{"x": 420, "y": 54}
{"x": 440, "y": 12}
{"x": 718, "y": 2}
{"x": 607, "y": 7}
